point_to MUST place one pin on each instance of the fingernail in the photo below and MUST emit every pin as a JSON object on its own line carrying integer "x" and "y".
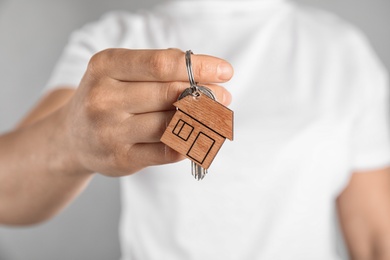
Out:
{"x": 225, "y": 71}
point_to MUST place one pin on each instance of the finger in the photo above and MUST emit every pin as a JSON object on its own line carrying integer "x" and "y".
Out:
{"x": 158, "y": 65}
{"x": 144, "y": 97}
{"x": 145, "y": 128}
{"x": 153, "y": 154}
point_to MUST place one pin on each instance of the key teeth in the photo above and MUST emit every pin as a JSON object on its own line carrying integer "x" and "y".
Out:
{"x": 198, "y": 172}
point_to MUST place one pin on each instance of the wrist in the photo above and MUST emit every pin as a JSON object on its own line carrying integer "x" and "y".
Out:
{"x": 65, "y": 156}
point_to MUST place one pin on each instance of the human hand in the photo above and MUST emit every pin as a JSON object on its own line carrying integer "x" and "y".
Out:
{"x": 118, "y": 114}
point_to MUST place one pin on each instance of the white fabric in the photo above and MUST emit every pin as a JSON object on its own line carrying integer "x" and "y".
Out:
{"x": 310, "y": 102}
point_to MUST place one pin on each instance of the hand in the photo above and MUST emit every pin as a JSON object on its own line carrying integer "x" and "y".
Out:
{"x": 115, "y": 120}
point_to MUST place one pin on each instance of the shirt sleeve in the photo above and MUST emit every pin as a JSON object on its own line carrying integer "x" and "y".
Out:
{"x": 371, "y": 131}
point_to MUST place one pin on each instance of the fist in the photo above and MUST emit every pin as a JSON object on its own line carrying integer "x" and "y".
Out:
{"x": 118, "y": 114}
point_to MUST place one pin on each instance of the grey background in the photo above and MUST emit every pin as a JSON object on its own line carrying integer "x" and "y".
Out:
{"x": 32, "y": 36}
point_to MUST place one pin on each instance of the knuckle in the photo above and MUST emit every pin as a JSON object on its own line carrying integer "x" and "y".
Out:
{"x": 97, "y": 111}
{"x": 161, "y": 64}
{"x": 97, "y": 62}
{"x": 170, "y": 91}
{"x": 94, "y": 103}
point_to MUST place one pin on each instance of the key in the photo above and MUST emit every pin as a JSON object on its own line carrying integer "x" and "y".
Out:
{"x": 200, "y": 125}
{"x": 197, "y": 171}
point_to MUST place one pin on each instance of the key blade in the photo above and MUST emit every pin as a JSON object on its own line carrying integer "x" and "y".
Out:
{"x": 198, "y": 171}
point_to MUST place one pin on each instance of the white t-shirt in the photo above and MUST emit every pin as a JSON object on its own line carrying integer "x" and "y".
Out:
{"x": 310, "y": 102}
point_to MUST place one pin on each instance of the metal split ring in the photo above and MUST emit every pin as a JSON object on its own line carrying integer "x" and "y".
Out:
{"x": 194, "y": 88}
{"x": 189, "y": 68}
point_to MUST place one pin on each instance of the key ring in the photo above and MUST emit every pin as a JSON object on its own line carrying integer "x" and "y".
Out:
{"x": 189, "y": 68}
{"x": 194, "y": 87}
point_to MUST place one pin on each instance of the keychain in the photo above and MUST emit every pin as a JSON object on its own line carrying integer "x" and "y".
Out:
{"x": 200, "y": 125}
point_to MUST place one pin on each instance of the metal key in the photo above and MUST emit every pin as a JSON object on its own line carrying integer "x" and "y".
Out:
{"x": 197, "y": 171}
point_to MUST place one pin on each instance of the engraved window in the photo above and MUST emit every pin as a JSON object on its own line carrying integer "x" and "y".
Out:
{"x": 183, "y": 130}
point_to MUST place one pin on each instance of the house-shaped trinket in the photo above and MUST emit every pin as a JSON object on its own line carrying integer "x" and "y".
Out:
{"x": 199, "y": 128}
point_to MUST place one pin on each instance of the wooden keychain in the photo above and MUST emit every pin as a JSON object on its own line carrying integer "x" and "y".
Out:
{"x": 200, "y": 125}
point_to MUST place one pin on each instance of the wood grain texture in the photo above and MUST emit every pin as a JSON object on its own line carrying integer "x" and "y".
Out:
{"x": 199, "y": 128}
{"x": 209, "y": 112}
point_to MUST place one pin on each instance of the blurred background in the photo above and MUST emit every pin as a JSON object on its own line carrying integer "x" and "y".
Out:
{"x": 32, "y": 36}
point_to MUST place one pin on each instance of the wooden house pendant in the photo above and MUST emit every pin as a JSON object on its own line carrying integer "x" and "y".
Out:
{"x": 199, "y": 127}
